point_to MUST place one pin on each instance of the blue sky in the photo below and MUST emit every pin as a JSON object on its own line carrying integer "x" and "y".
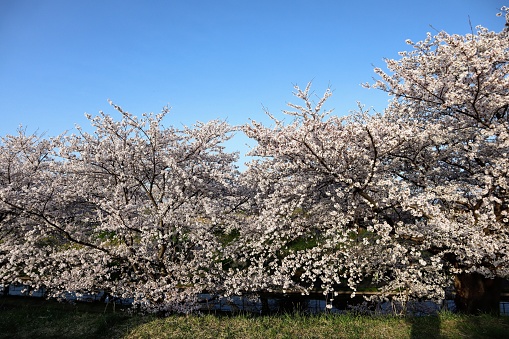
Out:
{"x": 206, "y": 59}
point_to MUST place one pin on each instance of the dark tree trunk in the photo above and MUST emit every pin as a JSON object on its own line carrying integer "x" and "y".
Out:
{"x": 265, "y": 303}
{"x": 476, "y": 294}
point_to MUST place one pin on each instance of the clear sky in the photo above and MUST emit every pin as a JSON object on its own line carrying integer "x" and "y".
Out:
{"x": 206, "y": 59}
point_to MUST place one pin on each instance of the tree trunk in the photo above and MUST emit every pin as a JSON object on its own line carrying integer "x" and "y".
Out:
{"x": 265, "y": 303}
{"x": 476, "y": 294}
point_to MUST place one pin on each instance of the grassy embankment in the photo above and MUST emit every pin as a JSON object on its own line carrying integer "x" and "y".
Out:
{"x": 34, "y": 318}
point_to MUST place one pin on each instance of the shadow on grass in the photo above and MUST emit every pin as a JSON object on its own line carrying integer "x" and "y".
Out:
{"x": 484, "y": 326}
{"x": 452, "y": 325}
{"x": 425, "y": 327}
{"x": 22, "y": 317}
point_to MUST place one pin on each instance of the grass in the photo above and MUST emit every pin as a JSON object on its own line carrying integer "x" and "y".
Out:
{"x": 35, "y": 318}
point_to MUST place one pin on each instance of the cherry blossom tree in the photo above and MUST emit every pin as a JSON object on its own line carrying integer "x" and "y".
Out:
{"x": 324, "y": 216}
{"x": 413, "y": 200}
{"x": 453, "y": 91}
{"x": 130, "y": 209}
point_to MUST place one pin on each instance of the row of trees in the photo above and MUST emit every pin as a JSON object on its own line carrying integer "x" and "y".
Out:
{"x": 412, "y": 201}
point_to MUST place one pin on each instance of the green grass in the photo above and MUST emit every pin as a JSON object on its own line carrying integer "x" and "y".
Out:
{"x": 34, "y": 318}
